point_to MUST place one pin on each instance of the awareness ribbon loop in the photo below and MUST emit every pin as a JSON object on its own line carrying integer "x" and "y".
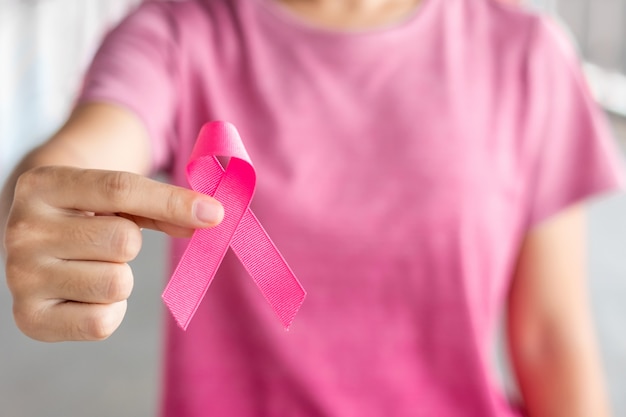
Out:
{"x": 240, "y": 229}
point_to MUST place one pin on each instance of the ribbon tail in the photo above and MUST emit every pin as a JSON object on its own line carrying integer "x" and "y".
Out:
{"x": 192, "y": 277}
{"x": 268, "y": 268}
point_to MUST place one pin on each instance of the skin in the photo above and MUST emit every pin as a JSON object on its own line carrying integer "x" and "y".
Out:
{"x": 550, "y": 331}
{"x": 351, "y": 14}
{"x": 67, "y": 248}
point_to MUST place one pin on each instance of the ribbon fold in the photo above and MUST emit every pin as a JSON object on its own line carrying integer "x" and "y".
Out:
{"x": 240, "y": 229}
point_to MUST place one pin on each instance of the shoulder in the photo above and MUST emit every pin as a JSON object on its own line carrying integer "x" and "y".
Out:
{"x": 534, "y": 50}
{"x": 174, "y": 15}
{"x": 168, "y": 28}
{"x": 510, "y": 28}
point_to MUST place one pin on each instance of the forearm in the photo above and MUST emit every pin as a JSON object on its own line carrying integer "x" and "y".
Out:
{"x": 560, "y": 375}
{"x": 550, "y": 331}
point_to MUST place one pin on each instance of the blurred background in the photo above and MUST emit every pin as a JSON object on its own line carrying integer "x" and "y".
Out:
{"x": 45, "y": 46}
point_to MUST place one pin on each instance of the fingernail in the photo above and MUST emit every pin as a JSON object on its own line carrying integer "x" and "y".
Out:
{"x": 209, "y": 211}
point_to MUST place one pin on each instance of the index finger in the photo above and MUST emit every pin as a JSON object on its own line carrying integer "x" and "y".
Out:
{"x": 124, "y": 192}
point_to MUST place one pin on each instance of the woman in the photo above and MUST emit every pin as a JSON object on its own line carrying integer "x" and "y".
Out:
{"x": 419, "y": 166}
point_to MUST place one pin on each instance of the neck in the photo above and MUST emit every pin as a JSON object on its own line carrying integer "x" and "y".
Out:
{"x": 351, "y": 14}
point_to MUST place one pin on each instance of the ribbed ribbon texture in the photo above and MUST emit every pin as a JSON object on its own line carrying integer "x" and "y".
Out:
{"x": 240, "y": 229}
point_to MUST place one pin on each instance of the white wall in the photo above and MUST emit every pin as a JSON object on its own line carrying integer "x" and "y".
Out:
{"x": 44, "y": 47}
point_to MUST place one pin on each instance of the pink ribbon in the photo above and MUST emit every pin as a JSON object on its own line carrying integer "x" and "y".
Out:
{"x": 240, "y": 230}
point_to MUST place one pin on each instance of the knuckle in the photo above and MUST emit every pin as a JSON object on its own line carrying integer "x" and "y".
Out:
{"x": 175, "y": 204}
{"x": 30, "y": 180}
{"x": 119, "y": 283}
{"x": 99, "y": 325}
{"x": 18, "y": 233}
{"x": 14, "y": 276}
{"x": 27, "y": 319}
{"x": 13, "y": 235}
{"x": 27, "y": 223}
{"x": 23, "y": 276}
{"x": 117, "y": 186}
{"x": 125, "y": 240}
{"x": 97, "y": 328}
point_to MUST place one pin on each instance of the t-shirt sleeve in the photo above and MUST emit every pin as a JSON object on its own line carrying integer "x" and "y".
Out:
{"x": 135, "y": 68}
{"x": 574, "y": 155}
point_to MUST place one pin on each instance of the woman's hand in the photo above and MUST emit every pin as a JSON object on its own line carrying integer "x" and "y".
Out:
{"x": 69, "y": 235}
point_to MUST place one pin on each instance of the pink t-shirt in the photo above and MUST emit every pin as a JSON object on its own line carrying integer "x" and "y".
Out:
{"x": 398, "y": 171}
